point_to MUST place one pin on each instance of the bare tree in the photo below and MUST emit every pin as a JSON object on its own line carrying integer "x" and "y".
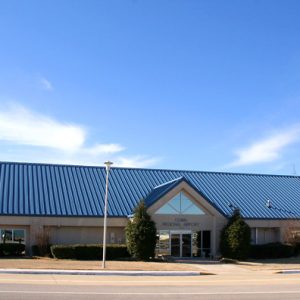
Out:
{"x": 43, "y": 240}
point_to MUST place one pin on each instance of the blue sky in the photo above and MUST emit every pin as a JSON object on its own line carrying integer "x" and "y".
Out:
{"x": 201, "y": 85}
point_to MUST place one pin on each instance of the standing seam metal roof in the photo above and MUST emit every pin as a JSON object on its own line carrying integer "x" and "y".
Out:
{"x": 78, "y": 191}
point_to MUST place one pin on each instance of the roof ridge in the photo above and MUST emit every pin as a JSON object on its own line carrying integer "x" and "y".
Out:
{"x": 168, "y": 182}
{"x": 50, "y": 164}
{"x": 151, "y": 169}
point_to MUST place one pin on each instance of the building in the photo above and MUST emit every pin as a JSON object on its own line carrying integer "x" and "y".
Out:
{"x": 67, "y": 203}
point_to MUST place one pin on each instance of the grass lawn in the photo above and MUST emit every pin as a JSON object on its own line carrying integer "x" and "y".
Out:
{"x": 66, "y": 264}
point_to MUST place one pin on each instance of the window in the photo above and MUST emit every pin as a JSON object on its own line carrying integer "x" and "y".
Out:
{"x": 112, "y": 238}
{"x": 296, "y": 234}
{"x": 6, "y": 236}
{"x": 203, "y": 241}
{"x": 164, "y": 242}
{"x": 265, "y": 235}
{"x": 12, "y": 236}
{"x": 180, "y": 205}
{"x": 253, "y": 236}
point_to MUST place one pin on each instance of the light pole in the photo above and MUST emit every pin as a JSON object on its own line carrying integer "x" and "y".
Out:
{"x": 108, "y": 165}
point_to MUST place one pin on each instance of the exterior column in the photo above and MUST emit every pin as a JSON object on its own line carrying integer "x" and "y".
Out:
{"x": 214, "y": 237}
{"x": 256, "y": 236}
{"x": 282, "y": 233}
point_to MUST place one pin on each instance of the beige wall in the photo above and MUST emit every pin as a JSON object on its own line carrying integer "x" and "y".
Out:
{"x": 89, "y": 230}
{"x": 64, "y": 230}
{"x": 85, "y": 235}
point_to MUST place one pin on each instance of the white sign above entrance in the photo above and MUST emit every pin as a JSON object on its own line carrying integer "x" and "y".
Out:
{"x": 180, "y": 223}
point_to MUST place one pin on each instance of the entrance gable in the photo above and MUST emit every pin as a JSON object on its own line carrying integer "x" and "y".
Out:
{"x": 161, "y": 195}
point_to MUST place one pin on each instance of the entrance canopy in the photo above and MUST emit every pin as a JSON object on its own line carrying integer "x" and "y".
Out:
{"x": 183, "y": 217}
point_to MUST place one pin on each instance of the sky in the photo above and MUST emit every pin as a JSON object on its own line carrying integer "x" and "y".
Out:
{"x": 191, "y": 85}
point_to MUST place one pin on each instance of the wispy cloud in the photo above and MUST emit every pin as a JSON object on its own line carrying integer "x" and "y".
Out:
{"x": 266, "y": 150}
{"x": 49, "y": 140}
{"x": 139, "y": 161}
{"x": 45, "y": 84}
{"x": 21, "y": 126}
{"x": 104, "y": 148}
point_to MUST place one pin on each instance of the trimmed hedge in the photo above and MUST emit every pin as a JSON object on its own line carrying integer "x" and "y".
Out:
{"x": 37, "y": 250}
{"x": 89, "y": 252}
{"x": 297, "y": 249}
{"x": 12, "y": 249}
{"x": 272, "y": 250}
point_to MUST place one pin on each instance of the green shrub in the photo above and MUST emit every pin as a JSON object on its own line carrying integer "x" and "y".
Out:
{"x": 297, "y": 249}
{"x": 115, "y": 252}
{"x": 235, "y": 238}
{"x": 141, "y": 234}
{"x": 12, "y": 249}
{"x": 35, "y": 250}
{"x": 272, "y": 250}
{"x": 63, "y": 251}
{"x": 89, "y": 252}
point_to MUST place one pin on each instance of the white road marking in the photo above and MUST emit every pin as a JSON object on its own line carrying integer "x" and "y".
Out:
{"x": 141, "y": 293}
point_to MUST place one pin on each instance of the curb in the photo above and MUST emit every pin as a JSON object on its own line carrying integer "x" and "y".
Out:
{"x": 289, "y": 272}
{"x": 100, "y": 273}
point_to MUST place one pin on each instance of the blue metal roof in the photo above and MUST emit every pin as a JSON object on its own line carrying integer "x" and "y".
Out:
{"x": 65, "y": 190}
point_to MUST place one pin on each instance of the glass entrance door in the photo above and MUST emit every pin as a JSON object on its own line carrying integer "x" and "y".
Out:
{"x": 175, "y": 245}
{"x": 186, "y": 249}
{"x": 181, "y": 244}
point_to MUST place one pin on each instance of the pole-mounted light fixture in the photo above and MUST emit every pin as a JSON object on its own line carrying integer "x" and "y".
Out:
{"x": 108, "y": 165}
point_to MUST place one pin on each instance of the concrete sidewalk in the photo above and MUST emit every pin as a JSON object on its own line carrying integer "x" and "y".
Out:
{"x": 100, "y": 272}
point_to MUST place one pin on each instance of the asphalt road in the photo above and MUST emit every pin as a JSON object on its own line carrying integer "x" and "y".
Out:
{"x": 59, "y": 287}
